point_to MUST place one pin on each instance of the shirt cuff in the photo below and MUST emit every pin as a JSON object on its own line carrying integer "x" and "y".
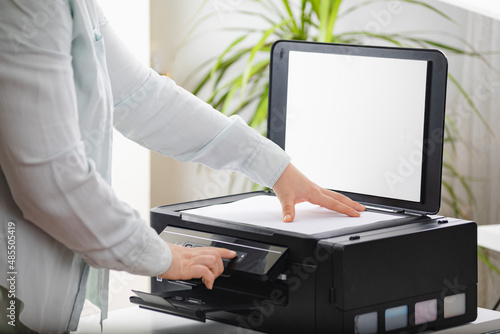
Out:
{"x": 266, "y": 163}
{"x": 155, "y": 258}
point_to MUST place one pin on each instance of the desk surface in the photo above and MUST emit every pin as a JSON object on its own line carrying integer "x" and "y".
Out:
{"x": 136, "y": 320}
{"x": 489, "y": 236}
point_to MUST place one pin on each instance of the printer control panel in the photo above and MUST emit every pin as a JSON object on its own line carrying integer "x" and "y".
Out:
{"x": 237, "y": 259}
{"x": 252, "y": 257}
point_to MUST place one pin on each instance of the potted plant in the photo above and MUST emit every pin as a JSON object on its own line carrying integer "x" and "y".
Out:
{"x": 316, "y": 20}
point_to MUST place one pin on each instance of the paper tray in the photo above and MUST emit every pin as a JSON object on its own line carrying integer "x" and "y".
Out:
{"x": 193, "y": 303}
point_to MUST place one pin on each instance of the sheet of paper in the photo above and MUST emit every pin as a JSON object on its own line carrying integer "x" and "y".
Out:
{"x": 265, "y": 211}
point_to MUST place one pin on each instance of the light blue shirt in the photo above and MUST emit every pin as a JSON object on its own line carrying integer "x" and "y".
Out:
{"x": 65, "y": 81}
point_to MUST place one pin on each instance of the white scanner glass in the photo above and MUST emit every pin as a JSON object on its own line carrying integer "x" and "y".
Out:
{"x": 356, "y": 123}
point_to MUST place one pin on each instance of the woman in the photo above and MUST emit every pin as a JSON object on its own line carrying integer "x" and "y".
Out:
{"x": 65, "y": 81}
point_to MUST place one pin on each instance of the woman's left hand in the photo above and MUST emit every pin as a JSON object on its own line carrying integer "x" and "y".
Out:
{"x": 294, "y": 187}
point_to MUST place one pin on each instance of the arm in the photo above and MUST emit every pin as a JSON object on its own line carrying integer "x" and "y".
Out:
{"x": 43, "y": 157}
{"x": 158, "y": 114}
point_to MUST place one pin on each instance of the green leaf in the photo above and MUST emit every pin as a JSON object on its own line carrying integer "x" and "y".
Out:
{"x": 315, "y": 7}
{"x": 463, "y": 182}
{"x": 224, "y": 53}
{"x": 450, "y": 138}
{"x": 414, "y": 2}
{"x": 432, "y": 8}
{"x": 231, "y": 88}
{"x": 259, "y": 15}
{"x": 454, "y": 198}
{"x": 260, "y": 114}
{"x": 472, "y": 105}
{"x": 289, "y": 11}
{"x": 452, "y": 128}
{"x": 258, "y": 47}
{"x": 332, "y": 18}
{"x": 386, "y": 37}
{"x": 487, "y": 261}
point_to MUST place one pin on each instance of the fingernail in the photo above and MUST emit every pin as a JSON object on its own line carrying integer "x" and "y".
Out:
{"x": 287, "y": 218}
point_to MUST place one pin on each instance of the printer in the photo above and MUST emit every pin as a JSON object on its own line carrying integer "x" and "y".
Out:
{"x": 365, "y": 121}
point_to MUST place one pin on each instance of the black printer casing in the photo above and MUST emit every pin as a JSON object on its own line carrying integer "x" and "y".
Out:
{"x": 367, "y": 279}
{"x": 329, "y": 279}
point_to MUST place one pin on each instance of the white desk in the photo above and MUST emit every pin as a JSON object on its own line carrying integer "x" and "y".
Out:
{"x": 134, "y": 320}
{"x": 488, "y": 236}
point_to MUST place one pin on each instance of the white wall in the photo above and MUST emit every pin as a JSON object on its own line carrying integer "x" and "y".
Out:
{"x": 131, "y": 168}
{"x": 131, "y": 161}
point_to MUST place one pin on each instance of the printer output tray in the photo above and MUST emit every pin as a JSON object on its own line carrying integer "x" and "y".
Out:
{"x": 193, "y": 303}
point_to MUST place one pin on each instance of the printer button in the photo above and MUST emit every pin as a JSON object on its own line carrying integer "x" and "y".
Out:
{"x": 354, "y": 237}
{"x": 240, "y": 256}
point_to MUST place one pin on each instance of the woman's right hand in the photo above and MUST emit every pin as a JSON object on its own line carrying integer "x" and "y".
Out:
{"x": 199, "y": 262}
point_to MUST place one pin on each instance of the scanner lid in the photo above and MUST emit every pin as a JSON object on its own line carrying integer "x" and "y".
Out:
{"x": 365, "y": 121}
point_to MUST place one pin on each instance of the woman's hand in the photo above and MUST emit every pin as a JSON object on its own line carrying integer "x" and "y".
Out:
{"x": 199, "y": 262}
{"x": 294, "y": 187}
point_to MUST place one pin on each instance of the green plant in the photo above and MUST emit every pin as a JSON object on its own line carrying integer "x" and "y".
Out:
{"x": 316, "y": 20}
{"x": 483, "y": 256}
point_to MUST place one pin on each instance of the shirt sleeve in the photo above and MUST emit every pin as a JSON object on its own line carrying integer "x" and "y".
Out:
{"x": 42, "y": 155}
{"x": 156, "y": 113}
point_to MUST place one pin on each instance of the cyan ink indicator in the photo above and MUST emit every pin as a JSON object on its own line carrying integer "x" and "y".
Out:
{"x": 454, "y": 305}
{"x": 366, "y": 323}
{"x": 425, "y": 311}
{"x": 396, "y": 317}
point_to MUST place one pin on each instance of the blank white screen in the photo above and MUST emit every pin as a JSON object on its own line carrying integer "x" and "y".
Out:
{"x": 356, "y": 123}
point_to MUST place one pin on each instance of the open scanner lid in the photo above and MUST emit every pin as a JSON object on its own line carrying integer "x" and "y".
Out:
{"x": 365, "y": 121}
